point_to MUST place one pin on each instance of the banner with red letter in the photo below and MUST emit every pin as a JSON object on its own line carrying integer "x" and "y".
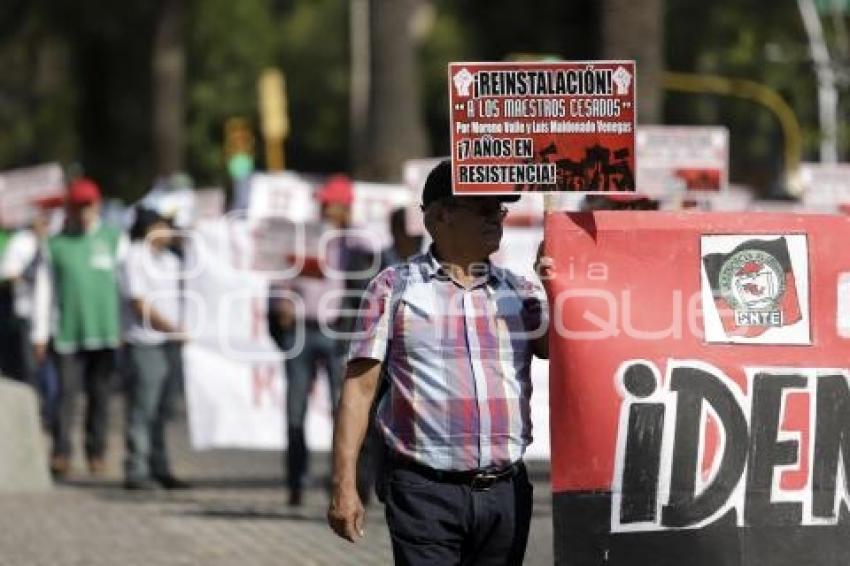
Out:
{"x": 700, "y": 388}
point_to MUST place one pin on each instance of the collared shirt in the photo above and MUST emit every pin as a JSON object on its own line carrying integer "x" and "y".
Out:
{"x": 458, "y": 360}
{"x": 153, "y": 276}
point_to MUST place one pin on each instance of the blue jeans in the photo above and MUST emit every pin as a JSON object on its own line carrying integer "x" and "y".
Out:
{"x": 300, "y": 372}
{"x": 153, "y": 381}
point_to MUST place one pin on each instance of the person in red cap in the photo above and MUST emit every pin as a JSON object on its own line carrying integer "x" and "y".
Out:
{"x": 335, "y": 198}
{"x": 83, "y": 290}
{"x": 321, "y": 347}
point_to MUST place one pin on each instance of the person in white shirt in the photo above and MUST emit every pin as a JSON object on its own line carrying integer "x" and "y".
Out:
{"x": 24, "y": 260}
{"x": 154, "y": 337}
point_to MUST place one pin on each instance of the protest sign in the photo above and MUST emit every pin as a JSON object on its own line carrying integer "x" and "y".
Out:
{"x": 676, "y": 159}
{"x": 285, "y": 194}
{"x": 20, "y": 188}
{"x": 825, "y": 186}
{"x": 671, "y": 447}
{"x": 289, "y": 196}
{"x": 564, "y": 126}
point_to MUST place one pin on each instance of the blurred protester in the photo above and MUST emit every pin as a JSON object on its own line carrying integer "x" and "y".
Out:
{"x": 314, "y": 287}
{"x": 83, "y": 290}
{"x": 404, "y": 245}
{"x": 23, "y": 262}
{"x": 150, "y": 282}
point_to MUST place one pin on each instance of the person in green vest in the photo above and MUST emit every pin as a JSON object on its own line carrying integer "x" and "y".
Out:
{"x": 86, "y": 327}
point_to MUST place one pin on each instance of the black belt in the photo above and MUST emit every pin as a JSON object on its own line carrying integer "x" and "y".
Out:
{"x": 478, "y": 480}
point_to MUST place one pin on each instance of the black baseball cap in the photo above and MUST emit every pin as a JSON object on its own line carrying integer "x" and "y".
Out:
{"x": 438, "y": 185}
{"x": 144, "y": 218}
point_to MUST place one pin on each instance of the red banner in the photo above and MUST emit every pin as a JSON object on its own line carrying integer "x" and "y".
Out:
{"x": 566, "y": 126}
{"x": 699, "y": 388}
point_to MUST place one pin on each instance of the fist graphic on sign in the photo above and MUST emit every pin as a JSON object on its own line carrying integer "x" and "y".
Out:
{"x": 463, "y": 80}
{"x": 622, "y": 79}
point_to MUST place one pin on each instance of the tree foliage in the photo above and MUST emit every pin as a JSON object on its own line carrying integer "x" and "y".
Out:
{"x": 76, "y": 81}
{"x": 744, "y": 40}
{"x": 229, "y": 43}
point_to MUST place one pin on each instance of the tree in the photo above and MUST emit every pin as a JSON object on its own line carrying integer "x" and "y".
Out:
{"x": 634, "y": 29}
{"x": 743, "y": 40}
{"x": 228, "y": 44}
{"x": 169, "y": 78}
{"x": 395, "y": 130}
{"x": 313, "y": 53}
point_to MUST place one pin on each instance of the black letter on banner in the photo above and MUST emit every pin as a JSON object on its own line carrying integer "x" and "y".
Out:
{"x": 693, "y": 387}
{"x": 643, "y": 448}
{"x": 766, "y": 452}
{"x": 832, "y": 438}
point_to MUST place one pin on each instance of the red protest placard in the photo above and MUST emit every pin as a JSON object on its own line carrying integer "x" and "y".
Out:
{"x": 699, "y": 388}
{"x": 675, "y": 159}
{"x": 552, "y": 127}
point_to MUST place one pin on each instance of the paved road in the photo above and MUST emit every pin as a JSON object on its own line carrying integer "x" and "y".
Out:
{"x": 235, "y": 515}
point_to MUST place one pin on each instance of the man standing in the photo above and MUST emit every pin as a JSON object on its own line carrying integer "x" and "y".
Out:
{"x": 321, "y": 291}
{"x": 151, "y": 285}
{"x": 453, "y": 335}
{"x": 83, "y": 289}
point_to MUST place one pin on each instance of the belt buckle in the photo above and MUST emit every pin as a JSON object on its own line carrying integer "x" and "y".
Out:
{"x": 483, "y": 481}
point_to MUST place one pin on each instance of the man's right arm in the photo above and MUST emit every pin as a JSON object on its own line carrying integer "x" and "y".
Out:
{"x": 346, "y": 514}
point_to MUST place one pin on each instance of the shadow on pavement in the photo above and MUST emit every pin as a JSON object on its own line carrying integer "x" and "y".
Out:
{"x": 252, "y": 513}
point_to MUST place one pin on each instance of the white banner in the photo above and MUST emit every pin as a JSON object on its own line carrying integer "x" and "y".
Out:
{"x": 235, "y": 384}
{"x": 289, "y": 196}
{"x": 285, "y": 195}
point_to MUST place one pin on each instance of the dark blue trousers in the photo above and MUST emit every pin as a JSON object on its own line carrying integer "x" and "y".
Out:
{"x": 450, "y": 523}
